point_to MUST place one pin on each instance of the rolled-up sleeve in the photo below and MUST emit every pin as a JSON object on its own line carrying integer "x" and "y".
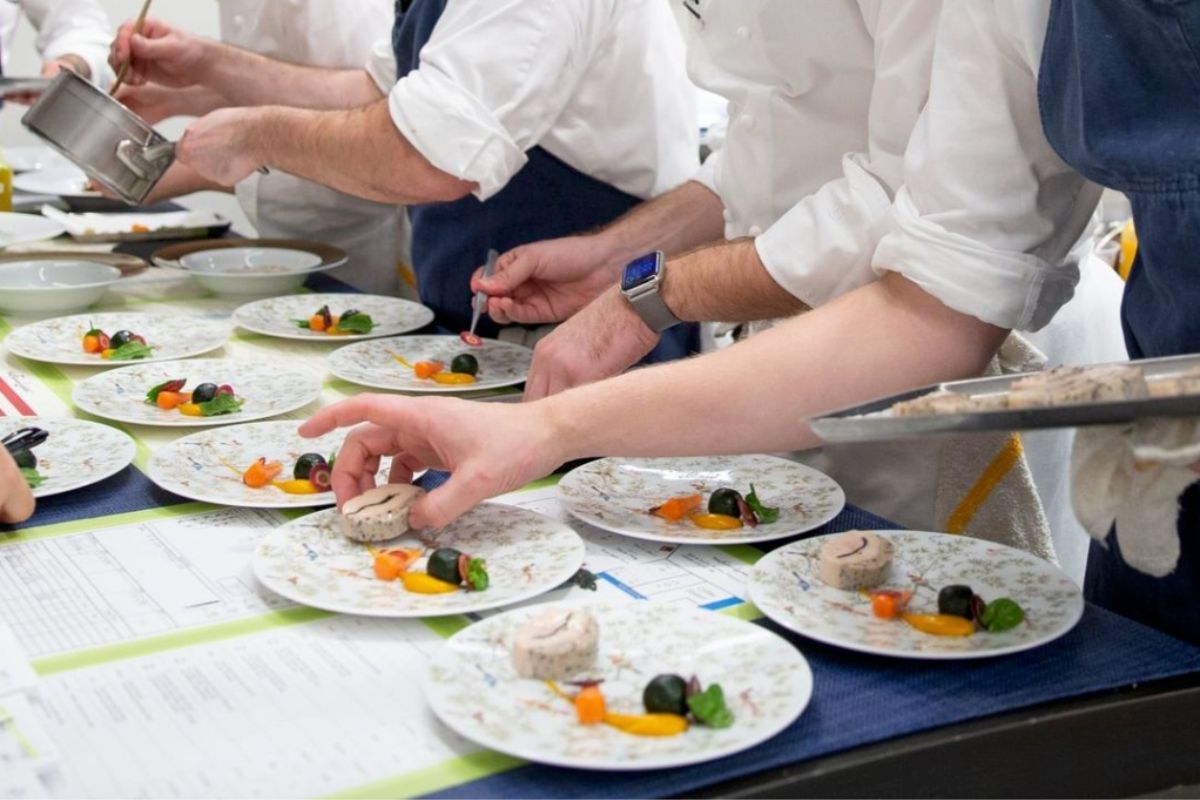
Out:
{"x": 988, "y": 212}
{"x": 491, "y": 82}
{"x": 72, "y": 27}
{"x": 823, "y": 246}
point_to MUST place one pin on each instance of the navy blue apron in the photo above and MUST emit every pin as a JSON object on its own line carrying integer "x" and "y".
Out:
{"x": 1119, "y": 93}
{"x": 545, "y": 200}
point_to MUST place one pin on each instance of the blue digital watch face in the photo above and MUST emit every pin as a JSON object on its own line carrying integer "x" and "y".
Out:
{"x": 639, "y": 271}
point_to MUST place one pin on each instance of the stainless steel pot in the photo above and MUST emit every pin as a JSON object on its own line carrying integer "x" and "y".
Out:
{"x": 113, "y": 145}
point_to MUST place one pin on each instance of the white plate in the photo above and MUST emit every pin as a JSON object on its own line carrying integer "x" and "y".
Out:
{"x": 785, "y": 587}
{"x": 16, "y": 228}
{"x": 275, "y": 316}
{"x": 374, "y": 363}
{"x": 310, "y": 562}
{"x": 78, "y": 453}
{"x": 474, "y": 690}
{"x": 60, "y": 340}
{"x": 268, "y": 389}
{"x": 53, "y": 286}
{"x": 616, "y": 494}
{"x": 27, "y": 158}
{"x": 64, "y": 180}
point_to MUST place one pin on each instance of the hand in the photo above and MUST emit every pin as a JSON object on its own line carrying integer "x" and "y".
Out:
{"x": 160, "y": 53}
{"x": 489, "y": 448}
{"x": 49, "y": 70}
{"x": 605, "y": 338}
{"x": 546, "y": 281}
{"x": 16, "y": 500}
{"x": 217, "y": 147}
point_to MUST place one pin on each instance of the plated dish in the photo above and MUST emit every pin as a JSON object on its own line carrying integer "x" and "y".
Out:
{"x": 313, "y": 562}
{"x": 258, "y": 391}
{"x": 289, "y": 317}
{"x": 17, "y": 228}
{"x": 431, "y": 364}
{"x": 250, "y": 267}
{"x": 1107, "y": 394}
{"x": 633, "y": 655}
{"x": 829, "y": 588}
{"x": 73, "y": 454}
{"x": 76, "y": 339}
{"x": 696, "y": 500}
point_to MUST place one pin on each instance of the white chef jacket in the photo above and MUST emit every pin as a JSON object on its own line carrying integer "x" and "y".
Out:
{"x": 988, "y": 212}
{"x": 823, "y": 96}
{"x": 334, "y": 34}
{"x": 600, "y": 84}
{"x": 63, "y": 26}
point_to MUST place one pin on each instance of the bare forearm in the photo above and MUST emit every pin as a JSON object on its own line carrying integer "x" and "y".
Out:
{"x": 358, "y": 152}
{"x": 725, "y": 281}
{"x": 246, "y": 78}
{"x": 684, "y": 217}
{"x": 179, "y": 180}
{"x": 755, "y": 396}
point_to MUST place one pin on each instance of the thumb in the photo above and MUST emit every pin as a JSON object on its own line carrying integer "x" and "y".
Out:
{"x": 146, "y": 49}
{"x": 448, "y": 502}
{"x": 512, "y": 269}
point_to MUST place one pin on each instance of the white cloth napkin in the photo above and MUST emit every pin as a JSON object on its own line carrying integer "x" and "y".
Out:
{"x": 1133, "y": 475}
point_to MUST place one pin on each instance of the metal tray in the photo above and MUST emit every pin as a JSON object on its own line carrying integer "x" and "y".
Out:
{"x": 868, "y": 422}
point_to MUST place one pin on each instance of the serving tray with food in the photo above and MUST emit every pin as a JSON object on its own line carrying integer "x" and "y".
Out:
{"x": 1105, "y": 394}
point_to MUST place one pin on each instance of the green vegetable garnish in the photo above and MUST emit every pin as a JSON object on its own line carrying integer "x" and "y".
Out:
{"x": 301, "y": 323}
{"x": 93, "y": 331}
{"x": 332, "y": 458}
{"x": 130, "y": 351}
{"x": 32, "y": 477}
{"x": 766, "y": 515}
{"x": 173, "y": 385}
{"x": 477, "y": 577}
{"x": 708, "y": 707}
{"x": 221, "y": 404}
{"x": 1001, "y": 615}
{"x": 355, "y": 323}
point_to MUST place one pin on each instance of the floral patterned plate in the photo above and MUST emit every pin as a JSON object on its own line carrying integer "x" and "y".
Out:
{"x": 785, "y": 587}
{"x": 60, "y": 340}
{"x": 208, "y": 465}
{"x": 310, "y": 562}
{"x": 276, "y": 316}
{"x": 78, "y": 453}
{"x": 474, "y": 689}
{"x": 616, "y": 494}
{"x": 375, "y": 363}
{"x": 268, "y": 390}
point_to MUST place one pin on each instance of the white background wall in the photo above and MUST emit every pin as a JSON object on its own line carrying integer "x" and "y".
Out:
{"x": 199, "y": 16}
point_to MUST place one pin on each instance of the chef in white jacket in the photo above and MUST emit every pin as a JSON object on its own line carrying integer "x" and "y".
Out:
{"x": 70, "y": 33}
{"x": 318, "y": 33}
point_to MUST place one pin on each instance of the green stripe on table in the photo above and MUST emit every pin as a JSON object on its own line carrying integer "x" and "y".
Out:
{"x": 173, "y": 641}
{"x": 453, "y": 772}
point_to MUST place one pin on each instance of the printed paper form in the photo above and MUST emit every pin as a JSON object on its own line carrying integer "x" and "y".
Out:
{"x": 288, "y": 713}
{"x": 86, "y": 590}
{"x": 16, "y": 674}
{"x": 20, "y": 783}
{"x": 25, "y": 743}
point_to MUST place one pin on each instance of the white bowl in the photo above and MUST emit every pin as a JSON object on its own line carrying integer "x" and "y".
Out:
{"x": 252, "y": 271}
{"x": 60, "y": 287}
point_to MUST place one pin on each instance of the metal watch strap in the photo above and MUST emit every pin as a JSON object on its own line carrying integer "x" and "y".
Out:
{"x": 649, "y": 305}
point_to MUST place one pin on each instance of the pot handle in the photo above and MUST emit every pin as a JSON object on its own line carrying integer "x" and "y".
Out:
{"x": 136, "y": 156}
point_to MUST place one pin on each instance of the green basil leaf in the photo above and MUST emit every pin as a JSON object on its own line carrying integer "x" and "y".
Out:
{"x": 221, "y": 404}
{"x": 130, "y": 351}
{"x": 1001, "y": 615}
{"x": 356, "y": 323}
{"x": 301, "y": 323}
{"x": 32, "y": 477}
{"x": 152, "y": 395}
{"x": 766, "y": 515}
{"x": 708, "y": 707}
{"x": 477, "y": 577}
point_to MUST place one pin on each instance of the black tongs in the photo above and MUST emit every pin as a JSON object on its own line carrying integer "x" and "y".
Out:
{"x": 24, "y": 439}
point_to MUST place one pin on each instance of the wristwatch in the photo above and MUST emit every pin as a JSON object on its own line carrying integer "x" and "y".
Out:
{"x": 640, "y": 283}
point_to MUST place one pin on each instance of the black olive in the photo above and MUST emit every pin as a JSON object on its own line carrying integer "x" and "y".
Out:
{"x": 956, "y": 600}
{"x": 305, "y": 463}
{"x": 465, "y": 363}
{"x": 443, "y": 565}
{"x": 666, "y": 694}
{"x": 119, "y": 338}
{"x": 204, "y": 392}
{"x": 25, "y": 459}
{"x": 725, "y": 501}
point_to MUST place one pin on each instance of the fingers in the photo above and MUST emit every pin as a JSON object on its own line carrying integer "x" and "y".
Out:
{"x": 376, "y": 408}
{"x": 512, "y": 270}
{"x": 465, "y": 490}
{"x": 358, "y": 460}
{"x": 16, "y": 500}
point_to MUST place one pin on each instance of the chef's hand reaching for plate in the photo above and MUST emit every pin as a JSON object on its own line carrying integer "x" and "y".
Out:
{"x": 546, "y": 281}
{"x": 489, "y": 448}
{"x": 16, "y": 500}
{"x": 160, "y": 53}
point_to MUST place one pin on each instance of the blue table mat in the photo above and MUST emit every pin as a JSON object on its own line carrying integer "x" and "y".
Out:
{"x": 128, "y": 490}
